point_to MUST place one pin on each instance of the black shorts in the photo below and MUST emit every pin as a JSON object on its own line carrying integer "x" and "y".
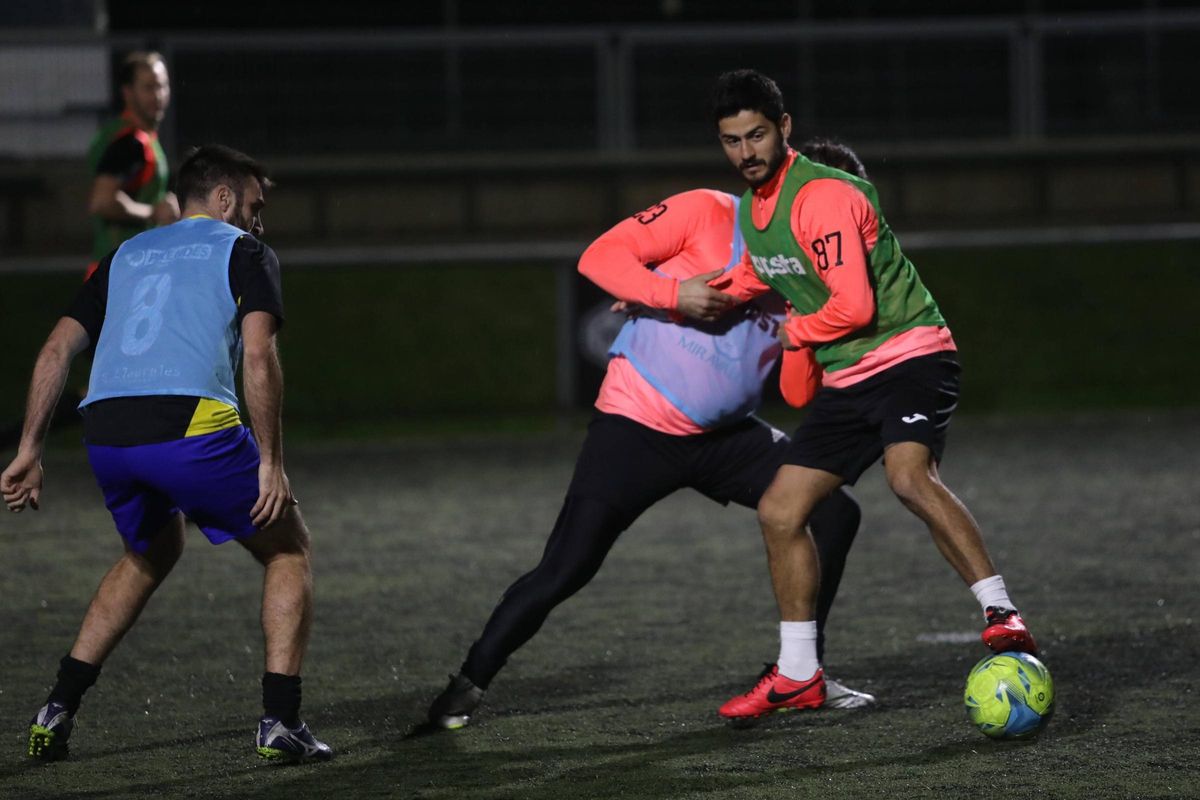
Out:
{"x": 847, "y": 430}
{"x": 631, "y": 467}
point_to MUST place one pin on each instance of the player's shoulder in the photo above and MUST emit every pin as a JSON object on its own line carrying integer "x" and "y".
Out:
{"x": 120, "y": 136}
{"x": 831, "y": 195}
{"x": 116, "y": 151}
{"x": 685, "y": 211}
{"x": 253, "y": 250}
{"x": 112, "y": 129}
{"x": 98, "y": 275}
{"x": 831, "y": 188}
{"x": 702, "y": 206}
{"x": 702, "y": 199}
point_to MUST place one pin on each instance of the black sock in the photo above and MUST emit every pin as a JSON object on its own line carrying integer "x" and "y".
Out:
{"x": 281, "y": 697}
{"x": 74, "y": 678}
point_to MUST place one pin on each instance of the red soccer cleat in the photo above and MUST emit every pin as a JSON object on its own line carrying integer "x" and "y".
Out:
{"x": 1006, "y": 631}
{"x": 774, "y": 692}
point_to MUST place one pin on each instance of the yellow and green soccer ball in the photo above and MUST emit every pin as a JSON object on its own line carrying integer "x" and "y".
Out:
{"x": 1009, "y": 696}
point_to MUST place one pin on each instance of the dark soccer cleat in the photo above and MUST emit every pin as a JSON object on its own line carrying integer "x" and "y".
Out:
{"x": 49, "y": 731}
{"x": 275, "y": 741}
{"x": 1006, "y": 631}
{"x": 452, "y": 709}
{"x": 774, "y": 692}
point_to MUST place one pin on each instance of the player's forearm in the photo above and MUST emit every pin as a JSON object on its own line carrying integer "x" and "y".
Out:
{"x": 834, "y": 320}
{"x": 741, "y": 282}
{"x": 262, "y": 377}
{"x": 799, "y": 376}
{"x": 49, "y": 377}
{"x": 616, "y": 270}
{"x": 120, "y": 207}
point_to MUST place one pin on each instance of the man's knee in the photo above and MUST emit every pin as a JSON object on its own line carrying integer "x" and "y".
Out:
{"x": 287, "y": 537}
{"x": 914, "y": 483}
{"x": 164, "y": 550}
{"x": 781, "y": 514}
{"x": 583, "y": 535}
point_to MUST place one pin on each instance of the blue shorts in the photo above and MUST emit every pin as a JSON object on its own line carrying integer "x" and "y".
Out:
{"x": 212, "y": 479}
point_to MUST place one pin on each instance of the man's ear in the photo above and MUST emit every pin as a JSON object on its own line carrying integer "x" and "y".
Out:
{"x": 225, "y": 198}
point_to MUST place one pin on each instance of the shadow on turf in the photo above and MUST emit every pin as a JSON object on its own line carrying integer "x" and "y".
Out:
{"x": 426, "y": 759}
{"x": 546, "y": 772}
{"x": 93, "y": 753}
{"x": 27, "y": 764}
{"x": 1092, "y": 672}
{"x": 715, "y": 757}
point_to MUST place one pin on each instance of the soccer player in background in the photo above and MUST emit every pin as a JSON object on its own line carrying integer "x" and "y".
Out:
{"x": 674, "y": 411}
{"x": 833, "y": 153}
{"x": 171, "y": 311}
{"x": 816, "y": 237}
{"x": 129, "y": 168}
{"x": 129, "y": 185}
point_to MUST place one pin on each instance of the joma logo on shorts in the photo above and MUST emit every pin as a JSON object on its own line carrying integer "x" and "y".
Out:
{"x": 777, "y": 265}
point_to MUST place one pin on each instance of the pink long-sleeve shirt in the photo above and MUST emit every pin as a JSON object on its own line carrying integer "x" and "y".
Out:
{"x": 686, "y": 235}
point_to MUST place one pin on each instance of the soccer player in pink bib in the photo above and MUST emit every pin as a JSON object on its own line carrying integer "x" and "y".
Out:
{"x": 675, "y": 411}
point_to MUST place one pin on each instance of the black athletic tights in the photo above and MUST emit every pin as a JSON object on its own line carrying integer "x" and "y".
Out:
{"x": 584, "y": 533}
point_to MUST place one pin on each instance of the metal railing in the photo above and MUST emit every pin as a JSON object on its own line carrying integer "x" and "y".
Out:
{"x": 617, "y": 90}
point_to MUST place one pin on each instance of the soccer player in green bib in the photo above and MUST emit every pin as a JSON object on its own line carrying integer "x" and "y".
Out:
{"x": 129, "y": 184}
{"x": 817, "y": 236}
{"x": 129, "y": 168}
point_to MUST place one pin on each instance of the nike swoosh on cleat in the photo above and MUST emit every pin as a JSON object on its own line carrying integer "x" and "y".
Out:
{"x": 775, "y": 697}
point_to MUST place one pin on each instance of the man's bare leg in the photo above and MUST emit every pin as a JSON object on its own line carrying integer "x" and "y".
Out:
{"x": 287, "y": 610}
{"x": 912, "y": 474}
{"x": 124, "y": 591}
{"x": 796, "y": 681}
{"x": 287, "y": 599}
{"x": 783, "y": 514}
{"x": 119, "y": 600}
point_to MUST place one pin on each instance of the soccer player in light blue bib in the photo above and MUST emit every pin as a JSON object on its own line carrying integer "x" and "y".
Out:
{"x": 171, "y": 311}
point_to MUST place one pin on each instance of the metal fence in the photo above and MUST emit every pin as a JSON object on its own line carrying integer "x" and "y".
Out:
{"x": 617, "y": 90}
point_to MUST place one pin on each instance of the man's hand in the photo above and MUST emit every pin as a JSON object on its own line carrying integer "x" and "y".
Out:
{"x": 21, "y": 483}
{"x": 166, "y": 210}
{"x": 274, "y": 495}
{"x": 698, "y": 300}
{"x": 786, "y": 340}
{"x": 632, "y": 310}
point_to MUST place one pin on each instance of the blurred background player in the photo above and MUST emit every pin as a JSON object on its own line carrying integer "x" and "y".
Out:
{"x": 171, "y": 311}
{"x": 833, "y": 153}
{"x": 890, "y": 385}
{"x": 674, "y": 411}
{"x": 129, "y": 184}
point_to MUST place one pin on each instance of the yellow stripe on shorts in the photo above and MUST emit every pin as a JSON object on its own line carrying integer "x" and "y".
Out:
{"x": 212, "y": 416}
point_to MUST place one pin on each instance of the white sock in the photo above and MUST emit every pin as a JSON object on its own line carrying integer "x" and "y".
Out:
{"x": 991, "y": 592}
{"x": 798, "y": 650}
